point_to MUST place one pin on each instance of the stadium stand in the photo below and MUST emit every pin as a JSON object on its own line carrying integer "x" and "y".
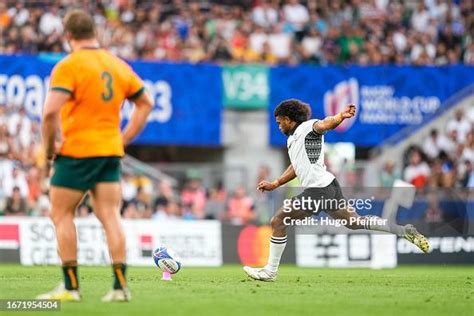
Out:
{"x": 361, "y": 32}
{"x": 320, "y": 32}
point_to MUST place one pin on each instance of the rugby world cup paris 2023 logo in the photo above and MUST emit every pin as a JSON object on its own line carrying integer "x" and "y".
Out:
{"x": 344, "y": 93}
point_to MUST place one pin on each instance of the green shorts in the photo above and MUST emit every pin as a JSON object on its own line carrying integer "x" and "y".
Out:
{"x": 84, "y": 173}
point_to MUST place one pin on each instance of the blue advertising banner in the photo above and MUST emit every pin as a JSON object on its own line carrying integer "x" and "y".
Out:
{"x": 188, "y": 98}
{"x": 389, "y": 98}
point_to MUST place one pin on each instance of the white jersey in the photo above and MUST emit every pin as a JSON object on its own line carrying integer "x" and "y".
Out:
{"x": 306, "y": 151}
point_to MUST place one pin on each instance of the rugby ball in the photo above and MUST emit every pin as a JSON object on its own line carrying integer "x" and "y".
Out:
{"x": 166, "y": 260}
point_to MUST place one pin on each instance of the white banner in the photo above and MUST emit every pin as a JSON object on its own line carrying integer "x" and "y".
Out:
{"x": 198, "y": 243}
{"x": 346, "y": 250}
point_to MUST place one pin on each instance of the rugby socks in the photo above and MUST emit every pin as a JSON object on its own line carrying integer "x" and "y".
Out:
{"x": 277, "y": 246}
{"x": 119, "y": 275}
{"x": 372, "y": 222}
{"x": 71, "y": 282}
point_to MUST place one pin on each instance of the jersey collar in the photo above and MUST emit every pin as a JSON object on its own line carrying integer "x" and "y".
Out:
{"x": 294, "y": 129}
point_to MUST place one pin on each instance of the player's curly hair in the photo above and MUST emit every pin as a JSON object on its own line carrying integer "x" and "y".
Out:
{"x": 294, "y": 109}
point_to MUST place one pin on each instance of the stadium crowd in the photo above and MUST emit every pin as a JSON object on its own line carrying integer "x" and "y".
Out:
{"x": 24, "y": 184}
{"x": 322, "y": 32}
{"x": 261, "y": 31}
{"x": 445, "y": 160}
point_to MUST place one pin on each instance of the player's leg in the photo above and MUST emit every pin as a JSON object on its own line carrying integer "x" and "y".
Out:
{"x": 277, "y": 245}
{"x": 63, "y": 205}
{"x": 107, "y": 198}
{"x": 371, "y": 222}
{"x": 278, "y": 240}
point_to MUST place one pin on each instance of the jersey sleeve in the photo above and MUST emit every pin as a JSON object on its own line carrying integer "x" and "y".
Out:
{"x": 135, "y": 86}
{"x": 62, "y": 78}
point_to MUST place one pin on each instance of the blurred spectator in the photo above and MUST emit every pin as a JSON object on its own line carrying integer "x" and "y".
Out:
{"x": 389, "y": 174}
{"x": 280, "y": 43}
{"x": 417, "y": 171}
{"x": 468, "y": 151}
{"x": 450, "y": 40}
{"x": 311, "y": 46}
{"x": 257, "y": 39}
{"x": 215, "y": 205}
{"x": 19, "y": 124}
{"x": 194, "y": 197}
{"x": 372, "y": 11}
{"x": 5, "y": 18}
{"x": 265, "y": 14}
{"x": 351, "y": 43}
{"x": 423, "y": 49}
{"x": 240, "y": 208}
{"x": 244, "y": 53}
{"x": 194, "y": 50}
{"x": 16, "y": 204}
{"x": 267, "y": 56}
{"x": 448, "y": 171}
{"x": 438, "y": 9}
{"x": 51, "y": 22}
{"x": 166, "y": 191}
{"x": 420, "y": 18}
{"x": 130, "y": 211}
{"x": 142, "y": 203}
{"x": 448, "y": 143}
{"x": 160, "y": 212}
{"x": 296, "y": 15}
{"x": 469, "y": 55}
{"x": 461, "y": 125}
{"x": 174, "y": 210}
{"x": 470, "y": 115}
{"x": 436, "y": 174}
{"x": 83, "y": 211}
{"x": 43, "y": 206}
{"x": 20, "y": 13}
{"x": 467, "y": 181}
{"x": 15, "y": 178}
{"x": 430, "y": 145}
{"x": 129, "y": 188}
{"x": 145, "y": 189}
{"x": 441, "y": 56}
{"x": 33, "y": 180}
{"x": 219, "y": 50}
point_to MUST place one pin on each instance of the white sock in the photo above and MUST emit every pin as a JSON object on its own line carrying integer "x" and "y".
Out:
{"x": 387, "y": 227}
{"x": 277, "y": 246}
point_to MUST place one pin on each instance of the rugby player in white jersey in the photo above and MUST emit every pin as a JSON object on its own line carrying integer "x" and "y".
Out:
{"x": 306, "y": 151}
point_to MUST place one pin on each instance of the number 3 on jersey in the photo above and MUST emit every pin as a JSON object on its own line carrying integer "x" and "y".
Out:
{"x": 108, "y": 94}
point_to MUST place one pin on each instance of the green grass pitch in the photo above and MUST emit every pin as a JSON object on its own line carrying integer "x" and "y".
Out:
{"x": 225, "y": 291}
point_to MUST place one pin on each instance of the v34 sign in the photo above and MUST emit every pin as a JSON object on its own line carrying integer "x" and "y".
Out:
{"x": 245, "y": 86}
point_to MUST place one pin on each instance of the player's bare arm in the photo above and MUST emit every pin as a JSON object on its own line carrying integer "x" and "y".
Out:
{"x": 286, "y": 177}
{"x": 143, "y": 107}
{"x": 50, "y": 122}
{"x": 331, "y": 122}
